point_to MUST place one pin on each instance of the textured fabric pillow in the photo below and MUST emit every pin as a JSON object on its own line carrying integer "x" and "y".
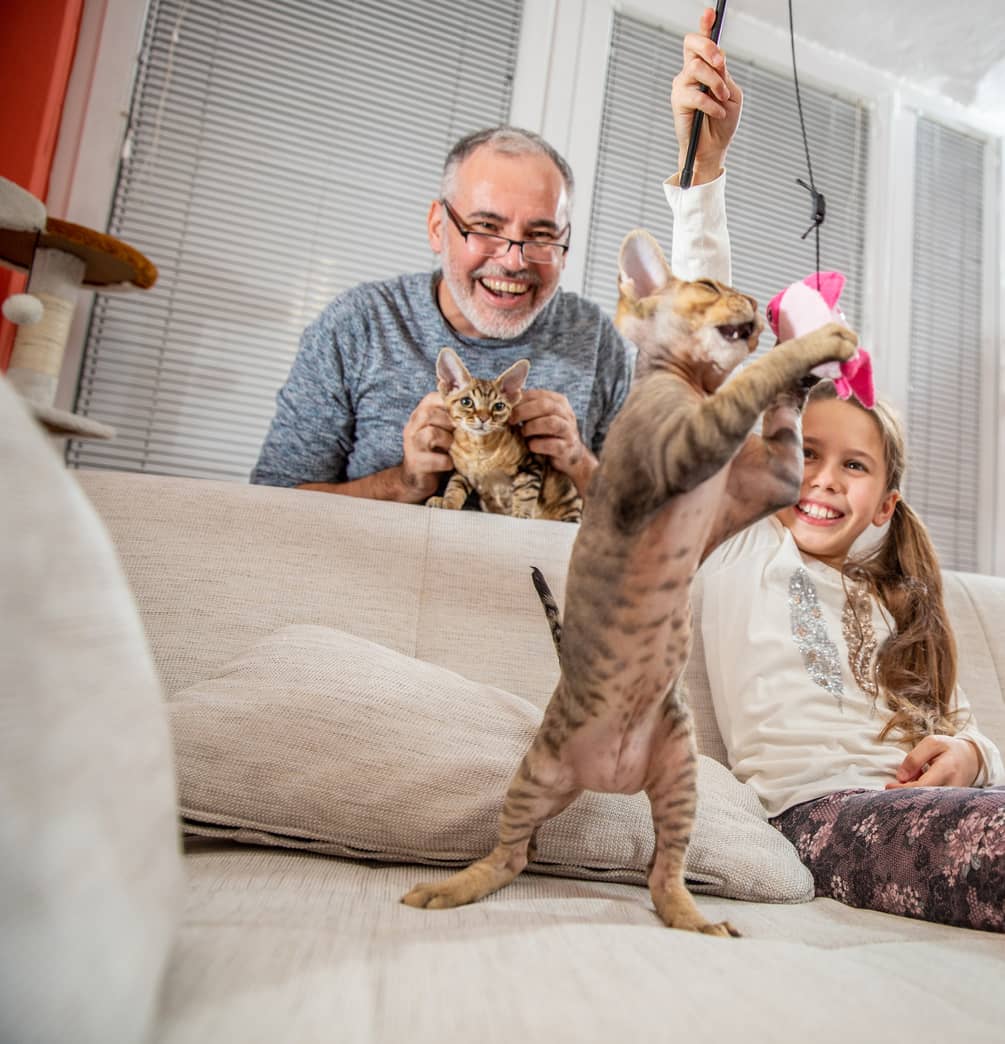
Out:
{"x": 90, "y": 860}
{"x": 321, "y": 740}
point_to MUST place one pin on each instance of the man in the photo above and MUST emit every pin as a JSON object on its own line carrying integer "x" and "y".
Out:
{"x": 359, "y": 414}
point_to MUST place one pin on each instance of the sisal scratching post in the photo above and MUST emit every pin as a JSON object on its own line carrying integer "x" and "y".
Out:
{"x": 39, "y": 346}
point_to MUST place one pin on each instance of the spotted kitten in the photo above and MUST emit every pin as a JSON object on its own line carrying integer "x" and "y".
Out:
{"x": 490, "y": 456}
{"x": 680, "y": 472}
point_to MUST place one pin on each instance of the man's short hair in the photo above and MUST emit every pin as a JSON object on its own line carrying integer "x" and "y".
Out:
{"x": 511, "y": 141}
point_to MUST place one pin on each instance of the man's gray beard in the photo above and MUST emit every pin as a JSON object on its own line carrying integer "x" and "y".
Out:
{"x": 497, "y": 327}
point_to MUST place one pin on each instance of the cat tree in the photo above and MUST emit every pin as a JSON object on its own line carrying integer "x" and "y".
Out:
{"x": 60, "y": 258}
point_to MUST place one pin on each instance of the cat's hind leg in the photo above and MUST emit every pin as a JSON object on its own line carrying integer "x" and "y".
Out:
{"x": 530, "y": 801}
{"x": 672, "y": 792}
{"x": 570, "y": 511}
{"x": 559, "y": 500}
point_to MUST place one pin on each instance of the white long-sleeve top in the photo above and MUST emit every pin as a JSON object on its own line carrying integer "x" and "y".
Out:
{"x": 792, "y": 673}
{"x": 795, "y": 718}
{"x": 700, "y": 238}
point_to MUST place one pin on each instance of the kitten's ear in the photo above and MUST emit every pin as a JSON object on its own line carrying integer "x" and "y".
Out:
{"x": 643, "y": 270}
{"x": 511, "y": 381}
{"x": 451, "y": 373}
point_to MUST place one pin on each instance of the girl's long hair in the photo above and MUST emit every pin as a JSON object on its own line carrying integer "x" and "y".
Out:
{"x": 916, "y": 665}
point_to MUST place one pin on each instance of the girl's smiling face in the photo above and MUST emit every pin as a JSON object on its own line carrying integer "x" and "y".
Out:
{"x": 844, "y": 488}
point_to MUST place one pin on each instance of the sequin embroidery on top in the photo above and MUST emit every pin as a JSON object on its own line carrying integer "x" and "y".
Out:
{"x": 856, "y": 625}
{"x": 809, "y": 631}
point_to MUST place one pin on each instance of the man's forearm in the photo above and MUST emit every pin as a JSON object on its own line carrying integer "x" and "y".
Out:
{"x": 389, "y": 484}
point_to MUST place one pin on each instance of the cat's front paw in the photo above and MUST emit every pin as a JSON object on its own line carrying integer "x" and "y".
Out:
{"x": 835, "y": 342}
{"x": 436, "y": 502}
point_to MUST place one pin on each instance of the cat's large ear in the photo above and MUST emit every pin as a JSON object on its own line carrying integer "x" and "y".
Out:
{"x": 451, "y": 373}
{"x": 511, "y": 381}
{"x": 643, "y": 270}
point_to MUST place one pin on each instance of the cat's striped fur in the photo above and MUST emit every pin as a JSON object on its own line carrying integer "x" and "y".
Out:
{"x": 490, "y": 456}
{"x": 680, "y": 472}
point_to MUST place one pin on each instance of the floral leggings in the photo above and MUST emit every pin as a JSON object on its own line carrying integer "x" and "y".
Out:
{"x": 935, "y": 853}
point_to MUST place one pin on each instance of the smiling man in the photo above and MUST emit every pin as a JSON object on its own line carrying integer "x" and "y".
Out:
{"x": 359, "y": 413}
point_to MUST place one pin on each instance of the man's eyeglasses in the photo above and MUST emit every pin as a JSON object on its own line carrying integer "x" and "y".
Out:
{"x": 487, "y": 244}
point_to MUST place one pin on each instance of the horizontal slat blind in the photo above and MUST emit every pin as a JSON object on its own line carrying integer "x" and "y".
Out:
{"x": 767, "y": 211}
{"x": 280, "y": 153}
{"x": 945, "y": 363}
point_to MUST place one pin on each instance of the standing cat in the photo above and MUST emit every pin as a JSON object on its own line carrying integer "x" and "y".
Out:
{"x": 491, "y": 457}
{"x": 680, "y": 472}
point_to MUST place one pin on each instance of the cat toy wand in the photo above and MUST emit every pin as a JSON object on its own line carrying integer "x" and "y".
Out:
{"x": 687, "y": 172}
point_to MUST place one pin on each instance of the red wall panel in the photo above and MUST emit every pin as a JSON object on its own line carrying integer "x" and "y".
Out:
{"x": 37, "y": 44}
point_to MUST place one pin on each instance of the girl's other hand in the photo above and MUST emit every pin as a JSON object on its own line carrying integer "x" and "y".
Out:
{"x": 939, "y": 761}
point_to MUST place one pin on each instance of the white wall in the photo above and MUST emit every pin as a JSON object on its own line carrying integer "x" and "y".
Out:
{"x": 558, "y": 91}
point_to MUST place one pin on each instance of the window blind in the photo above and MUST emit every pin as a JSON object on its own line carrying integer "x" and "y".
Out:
{"x": 767, "y": 211}
{"x": 278, "y": 154}
{"x": 945, "y": 361}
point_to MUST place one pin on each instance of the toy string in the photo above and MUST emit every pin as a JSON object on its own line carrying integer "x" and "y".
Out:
{"x": 819, "y": 204}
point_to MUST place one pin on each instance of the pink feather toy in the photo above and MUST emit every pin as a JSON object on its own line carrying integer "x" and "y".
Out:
{"x": 807, "y": 305}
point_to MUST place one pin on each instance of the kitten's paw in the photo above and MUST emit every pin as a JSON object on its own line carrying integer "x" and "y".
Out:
{"x": 466, "y": 886}
{"x": 677, "y": 909}
{"x": 837, "y": 341}
{"x": 459, "y": 889}
{"x": 436, "y": 502}
{"x": 723, "y": 929}
{"x": 432, "y": 897}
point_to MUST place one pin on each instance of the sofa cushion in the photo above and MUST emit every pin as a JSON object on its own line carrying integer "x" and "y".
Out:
{"x": 90, "y": 862}
{"x": 318, "y": 739}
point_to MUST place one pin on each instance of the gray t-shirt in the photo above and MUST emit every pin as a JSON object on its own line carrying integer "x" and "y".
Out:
{"x": 369, "y": 358}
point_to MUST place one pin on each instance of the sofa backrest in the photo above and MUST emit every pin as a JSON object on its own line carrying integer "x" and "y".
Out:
{"x": 216, "y": 565}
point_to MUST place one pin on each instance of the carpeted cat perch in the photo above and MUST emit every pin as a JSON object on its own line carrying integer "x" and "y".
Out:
{"x": 60, "y": 258}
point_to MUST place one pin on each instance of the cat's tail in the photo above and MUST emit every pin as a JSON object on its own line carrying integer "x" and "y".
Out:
{"x": 550, "y": 606}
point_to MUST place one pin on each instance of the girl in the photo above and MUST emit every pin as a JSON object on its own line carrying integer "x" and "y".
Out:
{"x": 843, "y": 711}
{"x": 834, "y": 679}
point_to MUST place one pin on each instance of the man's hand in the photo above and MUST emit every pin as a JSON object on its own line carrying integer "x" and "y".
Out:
{"x": 939, "y": 761}
{"x": 549, "y": 425}
{"x": 426, "y": 442}
{"x": 705, "y": 64}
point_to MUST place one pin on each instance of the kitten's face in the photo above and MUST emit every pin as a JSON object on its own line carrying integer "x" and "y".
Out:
{"x": 478, "y": 406}
{"x": 702, "y": 328}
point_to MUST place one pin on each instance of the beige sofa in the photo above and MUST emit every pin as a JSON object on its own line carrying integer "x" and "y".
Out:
{"x": 112, "y": 932}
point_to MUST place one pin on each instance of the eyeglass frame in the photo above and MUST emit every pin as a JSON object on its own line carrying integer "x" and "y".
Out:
{"x": 521, "y": 243}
